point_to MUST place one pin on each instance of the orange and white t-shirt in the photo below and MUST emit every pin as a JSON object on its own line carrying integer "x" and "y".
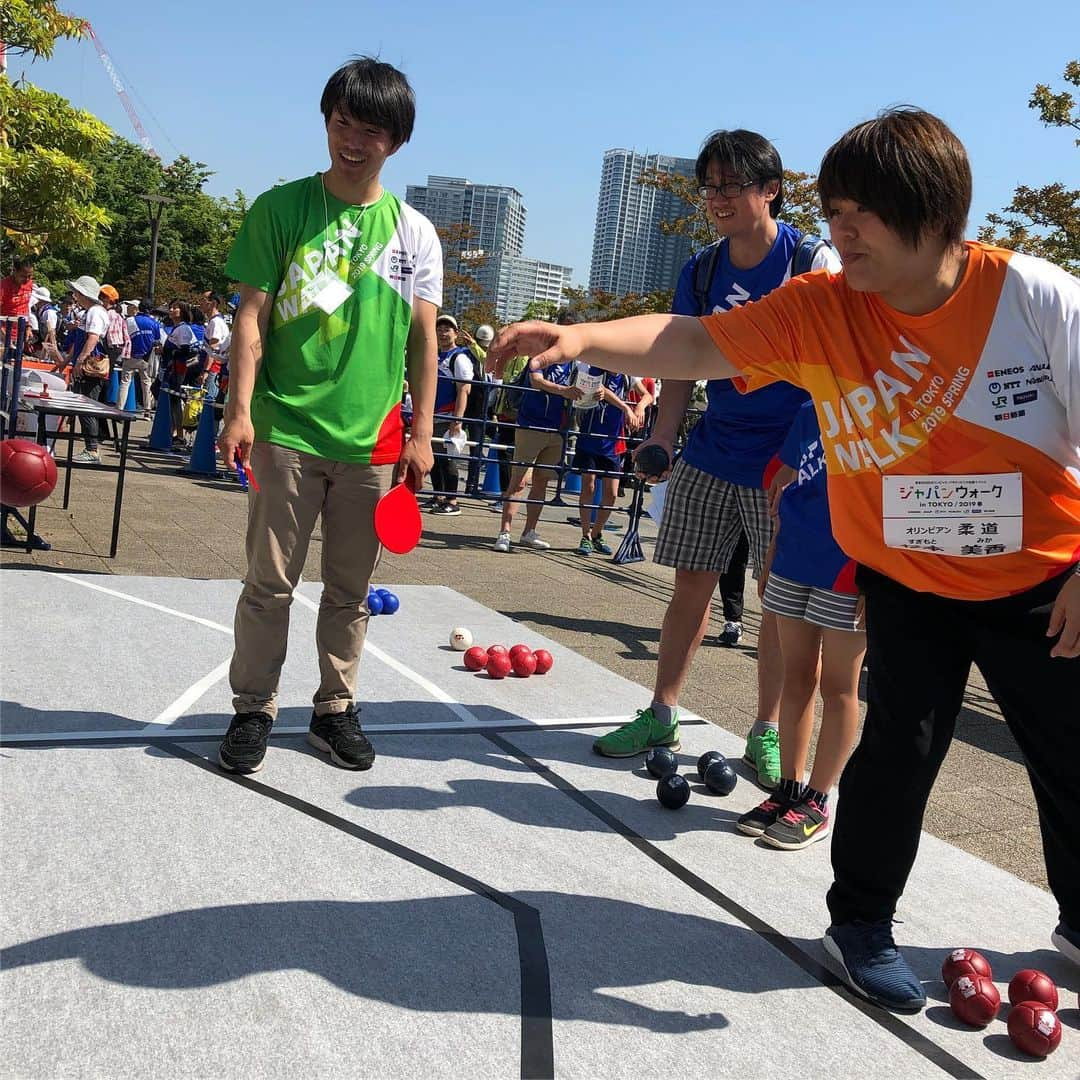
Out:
{"x": 952, "y": 439}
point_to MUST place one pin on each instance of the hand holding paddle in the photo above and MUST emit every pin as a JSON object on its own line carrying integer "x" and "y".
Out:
{"x": 397, "y": 517}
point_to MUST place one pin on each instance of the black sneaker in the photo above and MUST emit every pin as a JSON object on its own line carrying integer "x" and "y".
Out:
{"x": 447, "y": 510}
{"x": 800, "y": 825}
{"x": 244, "y": 746}
{"x": 730, "y": 635}
{"x": 755, "y": 822}
{"x": 339, "y": 735}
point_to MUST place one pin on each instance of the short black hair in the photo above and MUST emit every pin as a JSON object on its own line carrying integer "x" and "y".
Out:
{"x": 185, "y": 309}
{"x": 23, "y": 262}
{"x": 745, "y": 154}
{"x": 212, "y": 297}
{"x": 367, "y": 89}
{"x": 146, "y": 306}
{"x": 906, "y": 166}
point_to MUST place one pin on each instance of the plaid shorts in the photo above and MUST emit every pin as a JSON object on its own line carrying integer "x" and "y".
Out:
{"x": 703, "y": 517}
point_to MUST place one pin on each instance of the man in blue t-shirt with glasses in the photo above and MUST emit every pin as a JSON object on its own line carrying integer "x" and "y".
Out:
{"x": 719, "y": 487}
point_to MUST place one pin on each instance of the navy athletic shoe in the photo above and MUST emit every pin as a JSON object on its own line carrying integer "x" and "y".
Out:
{"x": 872, "y": 965}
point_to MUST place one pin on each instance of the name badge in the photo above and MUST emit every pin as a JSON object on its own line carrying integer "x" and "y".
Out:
{"x": 326, "y": 291}
{"x": 970, "y": 515}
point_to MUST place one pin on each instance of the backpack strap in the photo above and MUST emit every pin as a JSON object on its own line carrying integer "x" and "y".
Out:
{"x": 704, "y": 272}
{"x": 806, "y": 250}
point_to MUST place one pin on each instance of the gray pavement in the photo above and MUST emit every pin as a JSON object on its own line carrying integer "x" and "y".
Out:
{"x": 179, "y": 526}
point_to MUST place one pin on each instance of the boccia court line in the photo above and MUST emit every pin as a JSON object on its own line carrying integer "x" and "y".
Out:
{"x": 537, "y": 1054}
{"x": 891, "y": 1023}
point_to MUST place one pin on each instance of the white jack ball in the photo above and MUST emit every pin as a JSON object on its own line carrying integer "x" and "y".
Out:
{"x": 460, "y": 638}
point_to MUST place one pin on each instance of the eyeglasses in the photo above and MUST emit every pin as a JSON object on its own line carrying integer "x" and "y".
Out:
{"x": 731, "y": 190}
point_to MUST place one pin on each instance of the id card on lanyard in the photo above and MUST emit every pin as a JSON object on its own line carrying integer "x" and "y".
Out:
{"x": 326, "y": 290}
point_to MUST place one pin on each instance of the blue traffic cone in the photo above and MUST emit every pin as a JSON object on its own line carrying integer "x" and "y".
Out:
{"x": 114, "y": 387}
{"x": 492, "y": 486}
{"x": 161, "y": 432}
{"x": 130, "y": 405}
{"x": 598, "y": 499}
{"x": 203, "y": 460}
{"x": 572, "y": 485}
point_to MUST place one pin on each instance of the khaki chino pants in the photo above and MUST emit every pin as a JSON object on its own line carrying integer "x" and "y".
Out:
{"x": 295, "y": 489}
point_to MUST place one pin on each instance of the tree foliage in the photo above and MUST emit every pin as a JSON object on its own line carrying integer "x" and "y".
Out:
{"x": 1044, "y": 221}
{"x": 600, "y": 306}
{"x": 46, "y": 189}
{"x": 197, "y": 229}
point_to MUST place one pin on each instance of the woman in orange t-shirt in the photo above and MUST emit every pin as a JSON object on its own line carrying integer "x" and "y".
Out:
{"x": 946, "y": 380}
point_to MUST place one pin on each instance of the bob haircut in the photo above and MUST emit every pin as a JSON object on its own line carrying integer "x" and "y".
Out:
{"x": 369, "y": 90}
{"x": 908, "y": 168}
{"x": 744, "y": 154}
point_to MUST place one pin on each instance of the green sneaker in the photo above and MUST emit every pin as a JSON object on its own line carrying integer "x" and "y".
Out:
{"x": 585, "y": 547}
{"x": 763, "y": 753}
{"x": 641, "y": 734}
{"x": 600, "y": 545}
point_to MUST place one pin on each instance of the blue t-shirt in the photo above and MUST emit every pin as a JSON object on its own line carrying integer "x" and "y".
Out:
{"x": 146, "y": 336}
{"x": 806, "y": 552}
{"x": 540, "y": 410}
{"x": 451, "y": 372}
{"x": 739, "y": 434}
{"x": 601, "y": 426}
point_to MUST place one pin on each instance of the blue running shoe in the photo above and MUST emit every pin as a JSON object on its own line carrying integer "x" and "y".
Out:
{"x": 872, "y": 965}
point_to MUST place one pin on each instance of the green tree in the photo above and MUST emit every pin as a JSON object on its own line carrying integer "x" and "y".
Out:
{"x": 1044, "y": 221}
{"x": 600, "y": 306}
{"x": 544, "y": 310}
{"x": 46, "y": 187}
{"x": 461, "y": 260}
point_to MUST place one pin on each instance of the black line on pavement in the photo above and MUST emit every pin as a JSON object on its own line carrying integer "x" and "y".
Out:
{"x": 918, "y": 1042}
{"x": 71, "y": 740}
{"x": 537, "y": 1045}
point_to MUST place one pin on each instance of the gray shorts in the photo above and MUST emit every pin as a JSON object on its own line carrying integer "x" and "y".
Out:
{"x": 822, "y": 607}
{"x": 703, "y": 519}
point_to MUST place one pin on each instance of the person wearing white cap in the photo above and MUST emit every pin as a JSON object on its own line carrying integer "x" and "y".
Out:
{"x": 48, "y": 316}
{"x": 90, "y": 374}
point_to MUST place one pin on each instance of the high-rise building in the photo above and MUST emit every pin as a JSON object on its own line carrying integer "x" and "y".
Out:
{"x": 512, "y": 282}
{"x": 491, "y": 216}
{"x": 630, "y": 253}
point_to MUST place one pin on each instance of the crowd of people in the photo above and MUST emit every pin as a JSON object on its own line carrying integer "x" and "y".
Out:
{"x": 857, "y": 448}
{"x": 89, "y": 334}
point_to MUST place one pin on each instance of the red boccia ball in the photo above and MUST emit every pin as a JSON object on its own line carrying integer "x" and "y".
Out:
{"x": 517, "y": 649}
{"x": 497, "y": 650}
{"x": 544, "y": 660}
{"x": 1033, "y": 985}
{"x": 27, "y": 472}
{"x": 1034, "y": 1028}
{"x": 964, "y": 962}
{"x": 498, "y": 666}
{"x": 476, "y": 658}
{"x": 974, "y": 999}
{"x": 524, "y": 664}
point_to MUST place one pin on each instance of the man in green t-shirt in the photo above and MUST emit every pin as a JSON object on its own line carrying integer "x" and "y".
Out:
{"x": 340, "y": 282}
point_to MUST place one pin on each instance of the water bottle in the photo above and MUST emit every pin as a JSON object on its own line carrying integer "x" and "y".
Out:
{"x": 590, "y": 380}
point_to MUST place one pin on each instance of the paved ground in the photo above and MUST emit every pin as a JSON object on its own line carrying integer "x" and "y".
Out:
{"x": 193, "y": 528}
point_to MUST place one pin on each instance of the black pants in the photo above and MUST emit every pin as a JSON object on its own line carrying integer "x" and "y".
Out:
{"x": 920, "y": 649}
{"x": 444, "y": 472}
{"x": 92, "y": 388}
{"x": 733, "y": 581}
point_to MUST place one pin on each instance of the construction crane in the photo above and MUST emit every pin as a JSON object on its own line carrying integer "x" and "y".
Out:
{"x": 118, "y": 86}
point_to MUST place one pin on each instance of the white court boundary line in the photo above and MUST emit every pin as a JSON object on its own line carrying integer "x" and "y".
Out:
{"x": 469, "y": 721}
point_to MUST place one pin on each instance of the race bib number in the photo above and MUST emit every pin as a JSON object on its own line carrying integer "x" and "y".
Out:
{"x": 326, "y": 291}
{"x": 973, "y": 515}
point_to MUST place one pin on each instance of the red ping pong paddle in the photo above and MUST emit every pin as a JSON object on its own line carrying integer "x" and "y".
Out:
{"x": 397, "y": 517}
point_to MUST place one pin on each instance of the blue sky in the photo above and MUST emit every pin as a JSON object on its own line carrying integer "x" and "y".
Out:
{"x": 531, "y": 96}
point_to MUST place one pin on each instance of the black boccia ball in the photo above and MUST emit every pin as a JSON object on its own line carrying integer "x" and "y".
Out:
{"x": 661, "y": 762}
{"x": 706, "y": 760}
{"x": 720, "y": 778}
{"x": 673, "y": 791}
{"x": 652, "y": 461}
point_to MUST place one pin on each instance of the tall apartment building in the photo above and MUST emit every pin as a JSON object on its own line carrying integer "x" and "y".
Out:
{"x": 630, "y": 253}
{"x": 512, "y": 282}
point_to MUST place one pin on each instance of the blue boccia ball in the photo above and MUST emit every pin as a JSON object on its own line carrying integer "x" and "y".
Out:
{"x": 390, "y": 602}
{"x": 374, "y": 603}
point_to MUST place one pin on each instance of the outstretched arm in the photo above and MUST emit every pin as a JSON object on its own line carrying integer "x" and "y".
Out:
{"x": 666, "y": 346}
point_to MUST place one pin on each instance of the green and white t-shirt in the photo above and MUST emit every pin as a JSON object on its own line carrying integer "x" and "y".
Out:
{"x": 330, "y": 384}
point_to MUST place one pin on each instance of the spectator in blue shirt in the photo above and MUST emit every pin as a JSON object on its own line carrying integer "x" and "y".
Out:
{"x": 146, "y": 334}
